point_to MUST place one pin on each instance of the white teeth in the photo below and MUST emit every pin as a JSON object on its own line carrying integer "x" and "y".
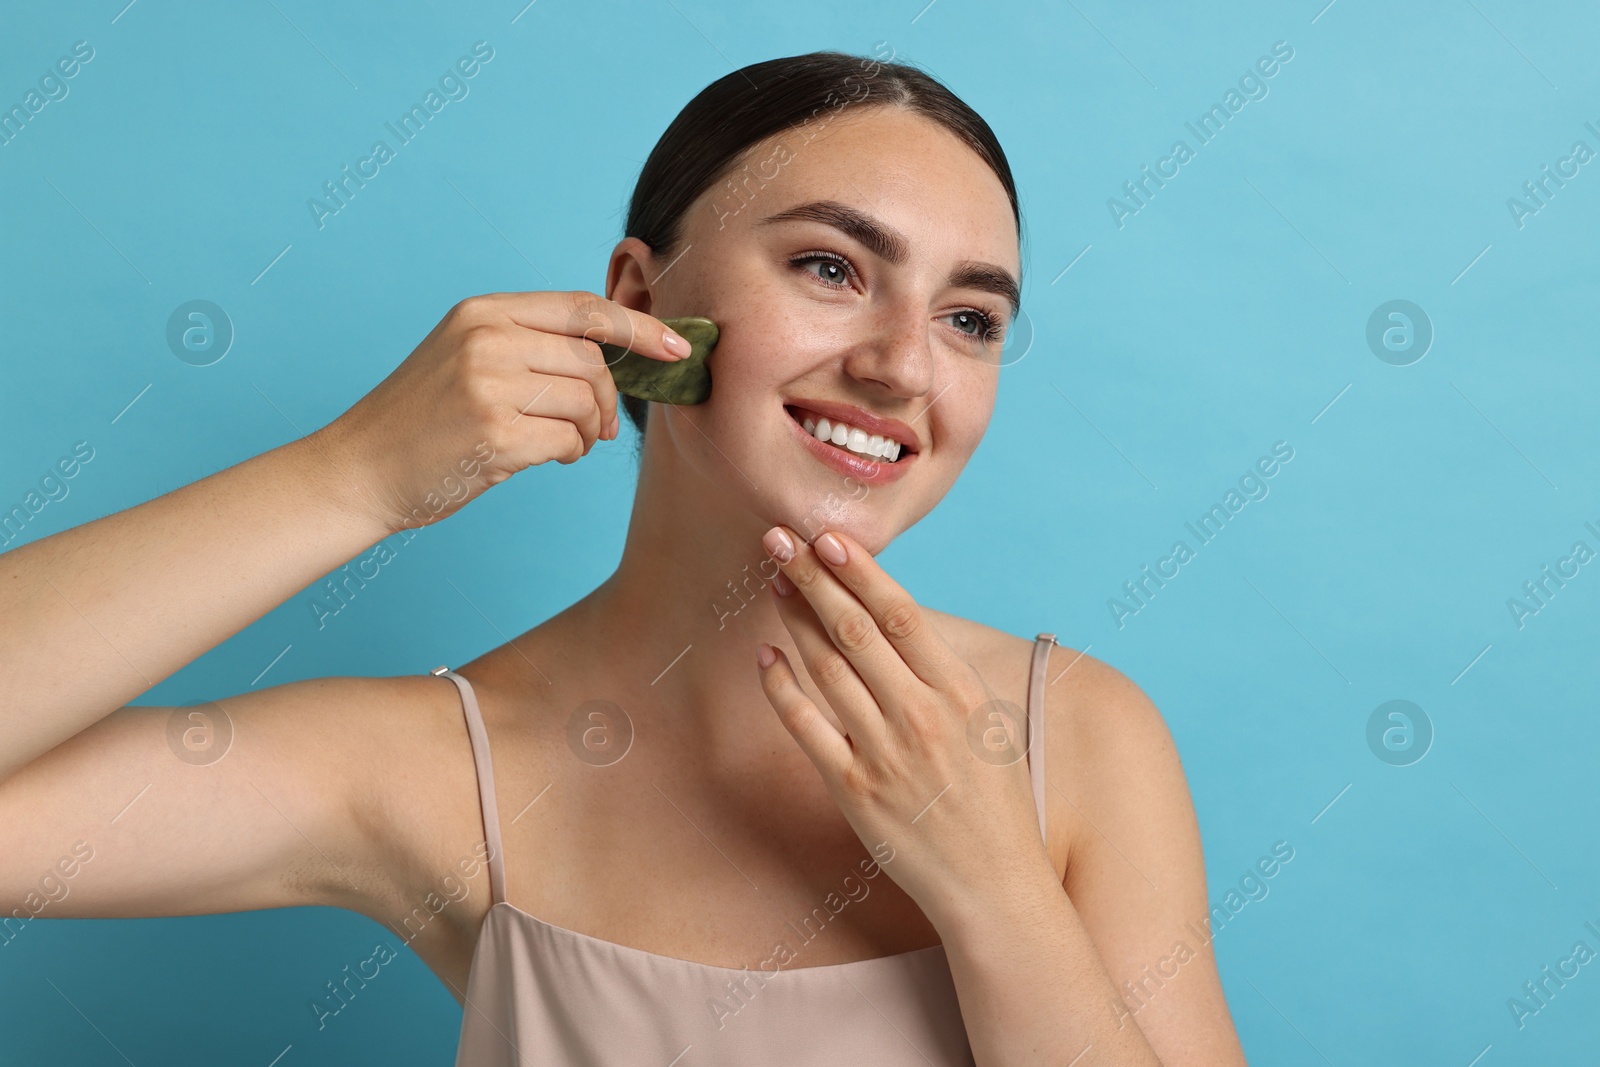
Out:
{"x": 872, "y": 446}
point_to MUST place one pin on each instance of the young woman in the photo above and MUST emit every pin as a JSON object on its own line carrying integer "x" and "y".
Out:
{"x": 813, "y": 821}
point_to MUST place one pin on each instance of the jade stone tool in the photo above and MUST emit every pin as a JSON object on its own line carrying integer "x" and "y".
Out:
{"x": 684, "y": 381}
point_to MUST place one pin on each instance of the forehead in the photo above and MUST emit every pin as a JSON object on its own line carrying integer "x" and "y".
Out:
{"x": 906, "y": 170}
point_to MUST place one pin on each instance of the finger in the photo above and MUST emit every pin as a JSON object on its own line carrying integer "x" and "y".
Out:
{"x": 560, "y": 399}
{"x": 900, "y": 620}
{"x": 818, "y": 738}
{"x": 847, "y": 694}
{"x": 492, "y": 340}
{"x": 592, "y": 317}
{"x": 583, "y": 320}
{"x": 850, "y": 696}
{"x": 849, "y": 625}
{"x": 590, "y": 366}
{"x": 591, "y": 321}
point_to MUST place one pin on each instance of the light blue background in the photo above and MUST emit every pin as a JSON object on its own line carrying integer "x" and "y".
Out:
{"x": 1229, "y": 313}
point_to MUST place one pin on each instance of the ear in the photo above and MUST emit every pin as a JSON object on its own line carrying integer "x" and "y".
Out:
{"x": 632, "y": 263}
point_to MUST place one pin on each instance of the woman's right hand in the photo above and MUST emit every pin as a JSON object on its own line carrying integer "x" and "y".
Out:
{"x": 504, "y": 381}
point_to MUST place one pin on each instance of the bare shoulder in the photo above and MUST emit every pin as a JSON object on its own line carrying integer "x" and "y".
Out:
{"x": 1106, "y": 743}
{"x": 1109, "y": 715}
{"x": 396, "y": 751}
{"x": 1124, "y": 833}
{"x": 311, "y": 792}
{"x": 1116, "y": 728}
{"x": 417, "y": 857}
{"x": 410, "y": 850}
{"x": 416, "y": 796}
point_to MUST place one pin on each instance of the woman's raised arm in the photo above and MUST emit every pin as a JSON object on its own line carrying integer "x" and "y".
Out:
{"x": 93, "y": 616}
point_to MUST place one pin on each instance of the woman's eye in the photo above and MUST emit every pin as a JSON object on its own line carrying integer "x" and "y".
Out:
{"x": 985, "y": 328}
{"x": 980, "y": 323}
{"x": 834, "y": 271}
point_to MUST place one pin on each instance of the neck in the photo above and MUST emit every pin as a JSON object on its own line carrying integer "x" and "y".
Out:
{"x": 678, "y": 622}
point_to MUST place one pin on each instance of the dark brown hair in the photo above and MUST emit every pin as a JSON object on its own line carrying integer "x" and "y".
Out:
{"x": 708, "y": 138}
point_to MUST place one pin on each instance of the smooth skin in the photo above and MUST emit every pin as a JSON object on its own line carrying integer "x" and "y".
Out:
{"x": 718, "y": 826}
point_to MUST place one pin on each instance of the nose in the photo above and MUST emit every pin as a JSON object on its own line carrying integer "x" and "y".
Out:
{"x": 896, "y": 354}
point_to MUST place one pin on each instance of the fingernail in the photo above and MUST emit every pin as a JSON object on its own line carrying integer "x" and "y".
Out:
{"x": 831, "y": 549}
{"x": 782, "y": 584}
{"x": 778, "y": 543}
{"x": 677, "y": 344}
{"x": 765, "y": 656}
{"x": 611, "y": 429}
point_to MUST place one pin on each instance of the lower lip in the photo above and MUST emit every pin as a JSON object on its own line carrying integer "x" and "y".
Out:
{"x": 866, "y": 471}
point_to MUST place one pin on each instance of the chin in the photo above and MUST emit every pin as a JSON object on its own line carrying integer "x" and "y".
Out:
{"x": 871, "y": 517}
{"x": 810, "y": 516}
{"x": 804, "y": 485}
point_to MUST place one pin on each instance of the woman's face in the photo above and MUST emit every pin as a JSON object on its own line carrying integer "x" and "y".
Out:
{"x": 864, "y": 273}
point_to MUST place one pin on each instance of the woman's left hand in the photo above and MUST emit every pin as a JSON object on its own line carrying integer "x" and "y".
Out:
{"x": 922, "y": 755}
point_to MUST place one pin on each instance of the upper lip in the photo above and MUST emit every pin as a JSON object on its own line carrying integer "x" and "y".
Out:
{"x": 893, "y": 429}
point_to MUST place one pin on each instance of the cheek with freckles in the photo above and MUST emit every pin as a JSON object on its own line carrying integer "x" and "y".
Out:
{"x": 961, "y": 415}
{"x": 772, "y": 342}
{"x": 764, "y": 343}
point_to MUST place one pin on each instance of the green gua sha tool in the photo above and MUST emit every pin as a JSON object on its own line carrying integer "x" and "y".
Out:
{"x": 683, "y": 381}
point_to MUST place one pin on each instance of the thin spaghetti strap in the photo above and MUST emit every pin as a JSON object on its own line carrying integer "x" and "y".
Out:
{"x": 1036, "y": 686}
{"x": 485, "y": 769}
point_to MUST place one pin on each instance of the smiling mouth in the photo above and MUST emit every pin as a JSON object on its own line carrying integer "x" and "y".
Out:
{"x": 846, "y": 438}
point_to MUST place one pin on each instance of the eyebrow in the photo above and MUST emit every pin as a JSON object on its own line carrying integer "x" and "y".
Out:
{"x": 890, "y": 245}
